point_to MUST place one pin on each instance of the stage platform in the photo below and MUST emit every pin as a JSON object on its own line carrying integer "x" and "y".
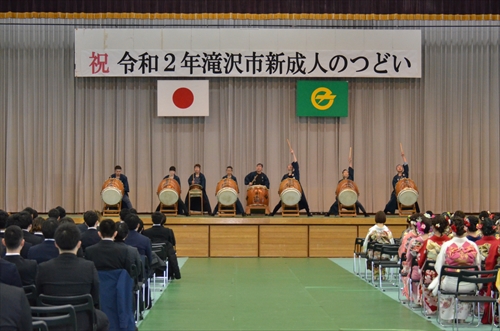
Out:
{"x": 263, "y": 236}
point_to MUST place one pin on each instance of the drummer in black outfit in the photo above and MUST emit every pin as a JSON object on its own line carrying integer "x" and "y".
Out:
{"x": 403, "y": 172}
{"x": 239, "y": 206}
{"x": 293, "y": 172}
{"x": 180, "y": 204}
{"x": 257, "y": 177}
{"x": 346, "y": 174}
{"x": 197, "y": 178}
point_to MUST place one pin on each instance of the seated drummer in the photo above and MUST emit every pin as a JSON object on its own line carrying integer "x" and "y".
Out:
{"x": 403, "y": 172}
{"x": 346, "y": 174}
{"x": 239, "y": 206}
{"x": 125, "y": 199}
{"x": 257, "y": 177}
{"x": 198, "y": 179}
{"x": 293, "y": 172}
{"x": 181, "y": 207}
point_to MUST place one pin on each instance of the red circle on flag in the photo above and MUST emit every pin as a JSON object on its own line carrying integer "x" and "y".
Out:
{"x": 183, "y": 97}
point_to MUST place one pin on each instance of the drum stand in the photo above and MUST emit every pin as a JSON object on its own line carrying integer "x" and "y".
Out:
{"x": 195, "y": 193}
{"x": 289, "y": 210}
{"x": 248, "y": 209}
{"x": 169, "y": 210}
{"x": 406, "y": 210}
{"x": 227, "y": 210}
{"x": 347, "y": 210}
{"x": 112, "y": 210}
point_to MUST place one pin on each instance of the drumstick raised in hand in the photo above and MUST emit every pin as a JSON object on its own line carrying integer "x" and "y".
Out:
{"x": 289, "y": 145}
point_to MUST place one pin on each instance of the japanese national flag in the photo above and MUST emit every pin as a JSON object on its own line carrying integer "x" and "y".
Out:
{"x": 182, "y": 98}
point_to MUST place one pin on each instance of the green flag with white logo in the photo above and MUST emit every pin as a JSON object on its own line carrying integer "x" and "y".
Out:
{"x": 317, "y": 98}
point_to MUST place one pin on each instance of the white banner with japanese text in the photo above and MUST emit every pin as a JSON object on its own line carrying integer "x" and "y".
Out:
{"x": 247, "y": 53}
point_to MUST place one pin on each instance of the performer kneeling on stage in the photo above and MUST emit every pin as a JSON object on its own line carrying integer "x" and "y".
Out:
{"x": 181, "y": 207}
{"x": 293, "y": 172}
{"x": 239, "y": 206}
{"x": 403, "y": 172}
{"x": 346, "y": 174}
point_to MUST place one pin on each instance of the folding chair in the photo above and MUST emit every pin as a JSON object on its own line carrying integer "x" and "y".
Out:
{"x": 368, "y": 259}
{"x": 54, "y": 316}
{"x": 391, "y": 251}
{"x": 81, "y": 303}
{"x": 161, "y": 250}
{"x": 477, "y": 277}
{"x": 358, "y": 254}
{"x": 428, "y": 266}
{"x": 31, "y": 294}
{"x": 40, "y": 326}
{"x": 449, "y": 271}
{"x": 138, "y": 288}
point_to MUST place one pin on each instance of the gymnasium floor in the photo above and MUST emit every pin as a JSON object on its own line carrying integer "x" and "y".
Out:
{"x": 278, "y": 294}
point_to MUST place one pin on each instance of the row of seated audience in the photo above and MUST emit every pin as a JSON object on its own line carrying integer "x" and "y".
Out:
{"x": 64, "y": 259}
{"x": 445, "y": 239}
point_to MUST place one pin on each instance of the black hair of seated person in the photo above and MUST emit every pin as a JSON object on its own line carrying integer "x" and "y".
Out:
{"x": 440, "y": 223}
{"x": 33, "y": 212}
{"x": 3, "y": 219}
{"x": 483, "y": 214}
{"x": 67, "y": 236}
{"x": 124, "y": 213}
{"x": 487, "y": 227}
{"x": 49, "y": 227}
{"x": 380, "y": 217}
{"x": 141, "y": 226}
{"x": 428, "y": 225}
{"x": 37, "y": 224}
{"x": 121, "y": 232}
{"x": 13, "y": 237}
{"x": 62, "y": 211}
{"x": 66, "y": 219}
{"x": 107, "y": 228}
{"x": 459, "y": 225}
{"x": 158, "y": 218}
{"x": 459, "y": 213}
{"x": 473, "y": 220}
{"x": 54, "y": 213}
{"x": 133, "y": 222}
{"x": 13, "y": 219}
{"x": 90, "y": 218}
{"x": 25, "y": 220}
{"x": 430, "y": 213}
{"x": 133, "y": 211}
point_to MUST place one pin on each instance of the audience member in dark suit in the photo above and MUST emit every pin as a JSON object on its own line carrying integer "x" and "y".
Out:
{"x": 9, "y": 274}
{"x": 62, "y": 211}
{"x": 46, "y": 250}
{"x": 133, "y": 255}
{"x": 15, "y": 311}
{"x": 36, "y": 228}
{"x": 68, "y": 275}
{"x": 137, "y": 240}
{"x": 91, "y": 236}
{"x": 158, "y": 233}
{"x": 106, "y": 254}
{"x": 25, "y": 222}
{"x": 13, "y": 220}
{"x": 123, "y": 214}
{"x": 14, "y": 241}
{"x": 32, "y": 212}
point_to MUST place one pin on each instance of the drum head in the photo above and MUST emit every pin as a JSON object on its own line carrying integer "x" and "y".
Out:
{"x": 408, "y": 197}
{"x": 227, "y": 196}
{"x": 111, "y": 196}
{"x": 290, "y": 196}
{"x": 348, "y": 197}
{"x": 168, "y": 197}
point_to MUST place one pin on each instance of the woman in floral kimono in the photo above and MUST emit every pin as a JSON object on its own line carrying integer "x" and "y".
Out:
{"x": 430, "y": 253}
{"x": 459, "y": 251}
{"x": 416, "y": 248}
{"x": 379, "y": 233}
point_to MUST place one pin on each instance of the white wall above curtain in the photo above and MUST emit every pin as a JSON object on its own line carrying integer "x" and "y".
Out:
{"x": 61, "y": 136}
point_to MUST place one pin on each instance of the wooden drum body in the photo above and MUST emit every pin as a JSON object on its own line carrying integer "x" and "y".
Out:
{"x": 347, "y": 192}
{"x": 290, "y": 191}
{"x": 227, "y": 191}
{"x": 257, "y": 195}
{"x": 406, "y": 192}
{"x": 112, "y": 191}
{"x": 168, "y": 191}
